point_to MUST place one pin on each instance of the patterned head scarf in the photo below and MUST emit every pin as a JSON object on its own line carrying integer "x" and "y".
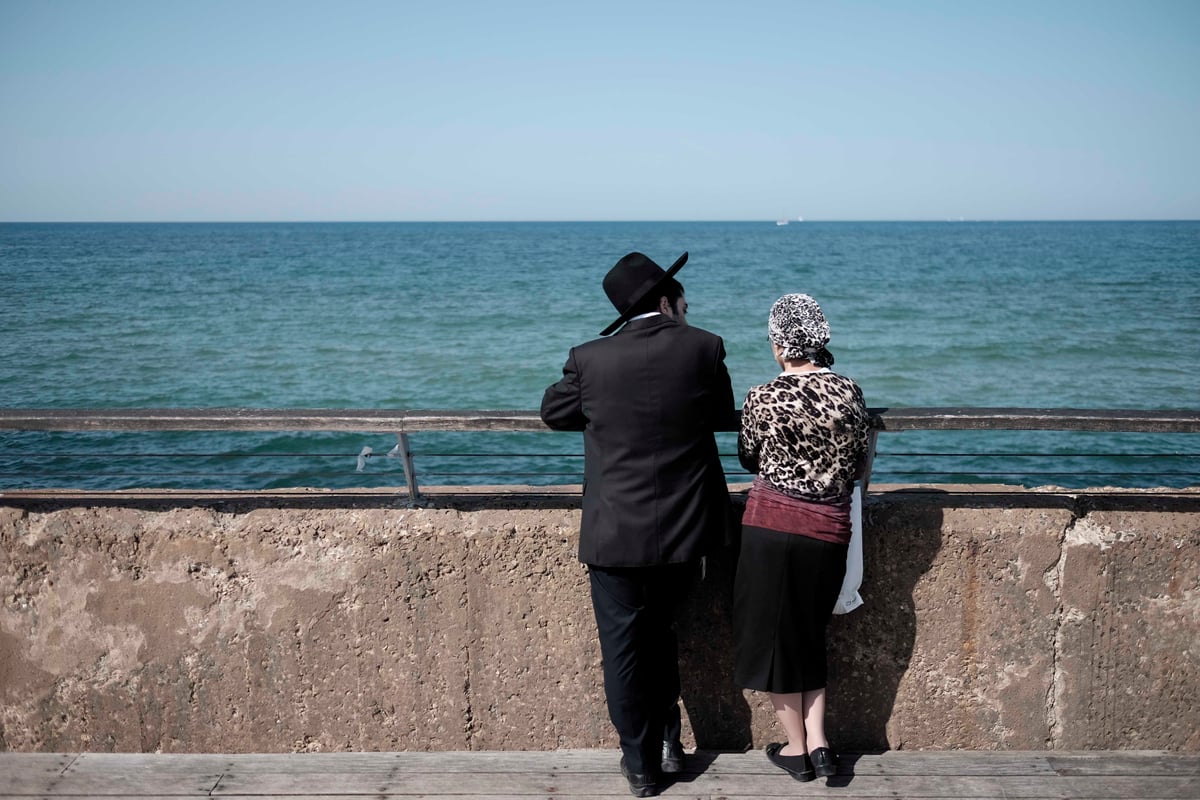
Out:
{"x": 797, "y": 325}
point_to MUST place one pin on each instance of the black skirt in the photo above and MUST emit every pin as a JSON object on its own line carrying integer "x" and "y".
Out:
{"x": 783, "y": 596}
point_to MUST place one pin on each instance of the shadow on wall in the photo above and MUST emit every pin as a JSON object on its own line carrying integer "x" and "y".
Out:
{"x": 716, "y": 708}
{"x": 871, "y": 647}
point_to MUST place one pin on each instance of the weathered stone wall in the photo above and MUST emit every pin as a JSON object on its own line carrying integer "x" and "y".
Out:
{"x": 1018, "y": 620}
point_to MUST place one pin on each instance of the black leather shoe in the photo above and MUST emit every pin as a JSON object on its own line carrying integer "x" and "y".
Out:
{"x": 640, "y": 785}
{"x": 672, "y": 756}
{"x": 824, "y": 762}
{"x": 799, "y": 767}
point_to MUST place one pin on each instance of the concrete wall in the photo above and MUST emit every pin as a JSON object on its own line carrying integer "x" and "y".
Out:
{"x": 1018, "y": 620}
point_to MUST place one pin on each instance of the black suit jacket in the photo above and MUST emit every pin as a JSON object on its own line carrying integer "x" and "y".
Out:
{"x": 648, "y": 400}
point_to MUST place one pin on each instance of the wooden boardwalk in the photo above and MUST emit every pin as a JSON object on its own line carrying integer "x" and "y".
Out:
{"x": 593, "y": 774}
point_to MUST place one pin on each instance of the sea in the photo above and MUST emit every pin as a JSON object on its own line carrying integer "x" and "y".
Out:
{"x": 1098, "y": 315}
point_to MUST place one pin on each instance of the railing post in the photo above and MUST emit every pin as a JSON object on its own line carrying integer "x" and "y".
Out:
{"x": 866, "y": 478}
{"x": 410, "y": 472}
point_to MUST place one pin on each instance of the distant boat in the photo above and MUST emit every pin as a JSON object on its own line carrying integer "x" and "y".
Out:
{"x": 781, "y": 222}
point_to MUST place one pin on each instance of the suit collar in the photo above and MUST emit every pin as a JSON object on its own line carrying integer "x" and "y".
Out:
{"x": 657, "y": 321}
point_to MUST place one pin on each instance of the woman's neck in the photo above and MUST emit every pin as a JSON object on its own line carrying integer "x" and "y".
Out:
{"x": 797, "y": 367}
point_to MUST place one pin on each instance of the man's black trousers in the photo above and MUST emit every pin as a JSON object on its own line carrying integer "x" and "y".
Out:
{"x": 635, "y": 611}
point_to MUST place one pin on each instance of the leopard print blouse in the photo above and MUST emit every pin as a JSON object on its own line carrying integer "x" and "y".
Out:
{"x": 805, "y": 434}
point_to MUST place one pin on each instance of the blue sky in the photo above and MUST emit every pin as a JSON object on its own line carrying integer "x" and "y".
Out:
{"x": 454, "y": 110}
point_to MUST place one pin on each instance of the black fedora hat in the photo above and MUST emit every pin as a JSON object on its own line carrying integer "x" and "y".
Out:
{"x": 633, "y": 278}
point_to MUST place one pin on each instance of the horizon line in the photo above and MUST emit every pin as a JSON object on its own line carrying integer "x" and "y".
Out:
{"x": 763, "y": 221}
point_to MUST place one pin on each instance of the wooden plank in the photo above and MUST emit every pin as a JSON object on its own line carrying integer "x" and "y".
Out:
{"x": 670, "y": 793}
{"x": 597, "y": 762}
{"x": 403, "y": 420}
{"x": 908, "y": 763}
{"x": 48, "y": 763}
{"x": 581, "y": 761}
{"x": 134, "y": 783}
{"x": 1065, "y": 419}
{"x": 523, "y": 784}
{"x": 955, "y": 786}
{"x": 267, "y": 419}
{"x": 177, "y": 764}
{"x": 778, "y": 784}
{"x": 1125, "y": 763}
{"x": 998, "y": 763}
{"x": 593, "y": 774}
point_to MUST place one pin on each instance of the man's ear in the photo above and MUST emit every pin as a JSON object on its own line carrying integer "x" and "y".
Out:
{"x": 664, "y": 306}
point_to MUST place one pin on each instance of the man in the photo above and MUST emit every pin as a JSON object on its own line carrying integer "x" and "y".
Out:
{"x": 654, "y": 495}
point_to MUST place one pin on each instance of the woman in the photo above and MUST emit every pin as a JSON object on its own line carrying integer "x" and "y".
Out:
{"x": 805, "y": 436}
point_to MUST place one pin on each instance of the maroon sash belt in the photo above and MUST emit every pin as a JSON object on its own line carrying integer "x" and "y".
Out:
{"x": 828, "y": 520}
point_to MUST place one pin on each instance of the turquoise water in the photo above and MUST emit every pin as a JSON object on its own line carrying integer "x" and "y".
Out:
{"x": 481, "y": 315}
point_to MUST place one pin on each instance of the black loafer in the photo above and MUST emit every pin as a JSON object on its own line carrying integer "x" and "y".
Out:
{"x": 799, "y": 767}
{"x": 672, "y": 757}
{"x": 824, "y": 762}
{"x": 639, "y": 785}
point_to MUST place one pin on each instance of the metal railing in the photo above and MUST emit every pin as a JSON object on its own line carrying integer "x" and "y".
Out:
{"x": 402, "y": 423}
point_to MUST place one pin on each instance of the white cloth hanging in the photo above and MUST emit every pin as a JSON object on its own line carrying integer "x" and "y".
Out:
{"x": 848, "y": 598}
